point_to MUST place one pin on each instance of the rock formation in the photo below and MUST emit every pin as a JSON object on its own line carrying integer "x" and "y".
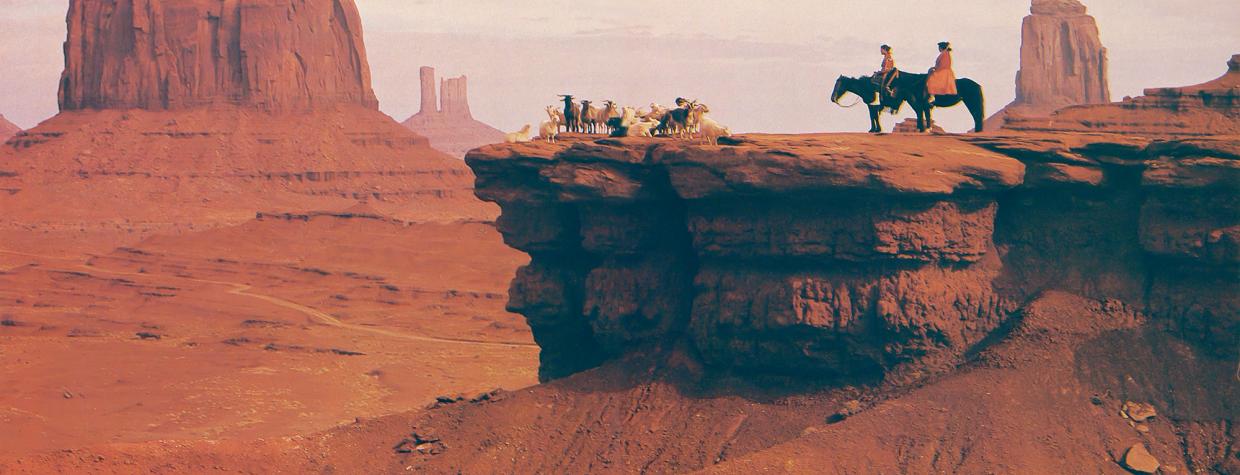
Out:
{"x": 250, "y": 105}
{"x": 7, "y": 129}
{"x": 1062, "y": 62}
{"x": 174, "y": 54}
{"x": 838, "y": 257}
{"x": 447, "y": 122}
{"x": 1211, "y": 108}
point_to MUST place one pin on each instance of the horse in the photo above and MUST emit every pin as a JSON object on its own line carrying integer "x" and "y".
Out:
{"x": 911, "y": 88}
{"x": 865, "y": 89}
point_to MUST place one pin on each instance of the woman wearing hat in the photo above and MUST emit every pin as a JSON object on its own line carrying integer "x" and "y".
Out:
{"x": 942, "y": 80}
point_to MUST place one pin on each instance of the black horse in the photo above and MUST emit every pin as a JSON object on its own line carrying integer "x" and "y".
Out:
{"x": 911, "y": 88}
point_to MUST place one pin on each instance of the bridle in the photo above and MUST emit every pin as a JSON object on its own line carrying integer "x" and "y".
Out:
{"x": 836, "y": 100}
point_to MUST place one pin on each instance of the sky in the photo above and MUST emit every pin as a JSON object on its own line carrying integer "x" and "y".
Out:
{"x": 762, "y": 65}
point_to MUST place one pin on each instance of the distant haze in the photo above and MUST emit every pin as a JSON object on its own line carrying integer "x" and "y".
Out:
{"x": 762, "y": 66}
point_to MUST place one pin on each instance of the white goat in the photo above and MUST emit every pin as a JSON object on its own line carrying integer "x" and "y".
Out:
{"x": 642, "y": 129}
{"x": 519, "y": 136}
{"x": 555, "y": 114}
{"x": 549, "y": 130}
{"x": 711, "y": 131}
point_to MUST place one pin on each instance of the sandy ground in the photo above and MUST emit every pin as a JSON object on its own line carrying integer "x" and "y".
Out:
{"x": 274, "y": 327}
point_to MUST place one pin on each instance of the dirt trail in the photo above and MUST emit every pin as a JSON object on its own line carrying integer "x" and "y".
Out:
{"x": 319, "y": 316}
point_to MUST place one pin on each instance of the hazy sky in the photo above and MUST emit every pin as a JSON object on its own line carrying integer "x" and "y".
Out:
{"x": 761, "y": 65}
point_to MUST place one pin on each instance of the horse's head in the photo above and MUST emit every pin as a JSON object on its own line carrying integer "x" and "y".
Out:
{"x": 839, "y": 90}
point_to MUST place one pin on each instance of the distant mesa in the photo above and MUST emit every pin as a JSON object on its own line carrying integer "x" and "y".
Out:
{"x": 446, "y": 119}
{"x": 277, "y": 55}
{"x": 1211, "y": 108}
{"x": 1062, "y": 62}
{"x": 7, "y": 129}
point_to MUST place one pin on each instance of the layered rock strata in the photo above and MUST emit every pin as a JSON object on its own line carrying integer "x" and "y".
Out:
{"x": 279, "y": 55}
{"x": 1208, "y": 109}
{"x": 445, "y": 117}
{"x": 848, "y": 256}
{"x": 1062, "y": 62}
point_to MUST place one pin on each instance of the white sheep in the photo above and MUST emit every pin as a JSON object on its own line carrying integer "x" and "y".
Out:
{"x": 519, "y": 136}
{"x": 711, "y": 131}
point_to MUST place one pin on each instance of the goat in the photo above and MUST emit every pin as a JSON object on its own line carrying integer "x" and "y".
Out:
{"x": 641, "y": 129}
{"x": 695, "y": 117}
{"x": 556, "y": 115}
{"x": 519, "y": 136}
{"x": 676, "y": 122}
{"x": 550, "y": 130}
{"x": 711, "y": 131}
{"x": 572, "y": 114}
{"x": 610, "y": 111}
{"x": 589, "y": 117}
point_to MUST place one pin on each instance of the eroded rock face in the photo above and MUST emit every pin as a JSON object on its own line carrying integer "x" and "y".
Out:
{"x": 445, "y": 117}
{"x": 7, "y": 129}
{"x": 848, "y": 255}
{"x": 1208, "y": 109}
{"x": 1062, "y": 62}
{"x": 277, "y": 55}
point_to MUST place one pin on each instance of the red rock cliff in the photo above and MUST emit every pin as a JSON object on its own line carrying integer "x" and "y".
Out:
{"x": 1062, "y": 61}
{"x": 175, "y": 54}
{"x": 844, "y": 255}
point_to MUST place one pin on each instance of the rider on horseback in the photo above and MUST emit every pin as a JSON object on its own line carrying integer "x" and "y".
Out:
{"x": 887, "y": 73}
{"x": 942, "y": 79}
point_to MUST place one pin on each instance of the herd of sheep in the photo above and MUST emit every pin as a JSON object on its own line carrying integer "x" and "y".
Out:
{"x": 688, "y": 120}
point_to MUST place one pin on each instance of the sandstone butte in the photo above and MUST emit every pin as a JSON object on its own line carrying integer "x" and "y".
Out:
{"x": 250, "y": 106}
{"x": 449, "y": 124}
{"x": 7, "y": 129}
{"x": 1062, "y": 62}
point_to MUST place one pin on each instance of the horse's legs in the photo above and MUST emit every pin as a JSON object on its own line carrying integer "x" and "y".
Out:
{"x": 929, "y": 119}
{"x": 875, "y": 127}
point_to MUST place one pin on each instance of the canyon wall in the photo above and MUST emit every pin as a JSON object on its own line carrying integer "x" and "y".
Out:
{"x": 1062, "y": 62}
{"x": 275, "y": 55}
{"x": 854, "y": 256}
{"x": 447, "y": 121}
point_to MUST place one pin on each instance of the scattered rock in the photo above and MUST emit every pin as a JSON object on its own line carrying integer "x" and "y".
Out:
{"x": 67, "y": 394}
{"x": 148, "y": 336}
{"x": 1138, "y": 412}
{"x": 851, "y": 408}
{"x": 426, "y": 445}
{"x": 1142, "y": 428}
{"x": 487, "y": 396}
{"x": 1139, "y": 460}
{"x": 1096, "y": 400}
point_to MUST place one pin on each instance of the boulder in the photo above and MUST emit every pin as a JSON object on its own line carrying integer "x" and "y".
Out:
{"x": 1138, "y": 459}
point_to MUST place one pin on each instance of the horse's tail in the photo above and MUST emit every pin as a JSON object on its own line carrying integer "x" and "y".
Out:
{"x": 975, "y": 99}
